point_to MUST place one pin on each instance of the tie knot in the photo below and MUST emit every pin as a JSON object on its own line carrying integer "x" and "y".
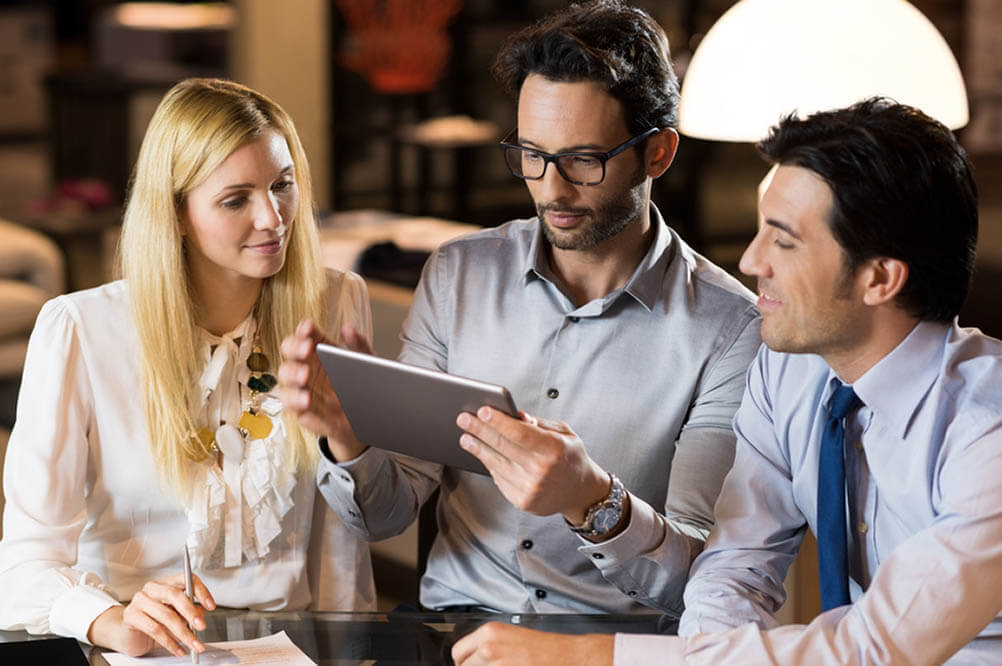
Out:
{"x": 843, "y": 401}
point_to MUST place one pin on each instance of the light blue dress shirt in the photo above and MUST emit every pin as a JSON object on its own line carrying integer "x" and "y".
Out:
{"x": 924, "y": 471}
{"x": 648, "y": 376}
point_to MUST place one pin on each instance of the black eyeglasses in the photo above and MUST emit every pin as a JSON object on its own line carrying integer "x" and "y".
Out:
{"x": 575, "y": 168}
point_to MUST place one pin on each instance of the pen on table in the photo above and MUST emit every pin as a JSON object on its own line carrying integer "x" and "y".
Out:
{"x": 190, "y": 593}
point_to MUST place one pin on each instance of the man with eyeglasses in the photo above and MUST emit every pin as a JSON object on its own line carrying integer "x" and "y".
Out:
{"x": 626, "y": 350}
{"x": 871, "y": 418}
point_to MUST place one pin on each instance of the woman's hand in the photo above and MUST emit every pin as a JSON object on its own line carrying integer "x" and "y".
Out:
{"x": 307, "y": 394}
{"x": 159, "y": 614}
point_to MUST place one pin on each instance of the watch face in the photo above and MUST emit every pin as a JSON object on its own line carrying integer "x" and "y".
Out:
{"x": 606, "y": 518}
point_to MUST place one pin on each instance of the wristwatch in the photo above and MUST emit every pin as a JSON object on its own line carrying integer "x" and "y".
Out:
{"x": 604, "y": 515}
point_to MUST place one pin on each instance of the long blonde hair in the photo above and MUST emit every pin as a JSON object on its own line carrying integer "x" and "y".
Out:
{"x": 197, "y": 125}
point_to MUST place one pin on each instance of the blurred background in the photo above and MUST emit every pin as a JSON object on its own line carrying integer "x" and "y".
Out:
{"x": 399, "y": 115}
{"x": 393, "y": 99}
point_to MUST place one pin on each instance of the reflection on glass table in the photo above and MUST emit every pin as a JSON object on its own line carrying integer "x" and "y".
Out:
{"x": 391, "y": 639}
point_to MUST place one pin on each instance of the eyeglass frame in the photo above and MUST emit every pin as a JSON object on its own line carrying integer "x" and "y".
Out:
{"x": 505, "y": 145}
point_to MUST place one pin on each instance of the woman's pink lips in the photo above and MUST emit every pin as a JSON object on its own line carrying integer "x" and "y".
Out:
{"x": 269, "y": 247}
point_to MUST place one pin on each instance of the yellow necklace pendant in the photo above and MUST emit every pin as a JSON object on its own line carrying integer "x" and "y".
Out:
{"x": 258, "y": 426}
{"x": 207, "y": 438}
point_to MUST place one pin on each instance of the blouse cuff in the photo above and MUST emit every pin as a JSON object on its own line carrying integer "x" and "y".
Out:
{"x": 73, "y": 613}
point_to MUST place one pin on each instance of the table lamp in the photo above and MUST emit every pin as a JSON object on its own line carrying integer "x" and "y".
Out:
{"x": 767, "y": 58}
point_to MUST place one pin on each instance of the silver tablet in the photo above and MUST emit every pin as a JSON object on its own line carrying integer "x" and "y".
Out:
{"x": 408, "y": 409}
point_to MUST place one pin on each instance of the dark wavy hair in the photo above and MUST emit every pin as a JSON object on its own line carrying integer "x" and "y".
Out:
{"x": 617, "y": 46}
{"x": 903, "y": 188}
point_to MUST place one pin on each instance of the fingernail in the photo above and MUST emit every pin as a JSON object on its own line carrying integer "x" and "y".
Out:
{"x": 464, "y": 420}
{"x": 199, "y": 624}
{"x": 465, "y": 441}
{"x": 484, "y": 413}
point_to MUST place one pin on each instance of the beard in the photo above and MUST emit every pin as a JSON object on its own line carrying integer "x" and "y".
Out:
{"x": 607, "y": 219}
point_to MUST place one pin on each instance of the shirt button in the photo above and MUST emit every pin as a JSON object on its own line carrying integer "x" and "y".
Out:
{"x": 540, "y": 594}
{"x": 552, "y": 393}
{"x": 353, "y": 514}
{"x": 632, "y": 593}
{"x": 574, "y": 319}
{"x": 598, "y": 556}
{"x": 527, "y": 544}
{"x": 346, "y": 478}
{"x": 862, "y": 527}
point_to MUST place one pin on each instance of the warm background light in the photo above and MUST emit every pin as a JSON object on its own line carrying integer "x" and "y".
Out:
{"x": 175, "y": 16}
{"x": 766, "y": 58}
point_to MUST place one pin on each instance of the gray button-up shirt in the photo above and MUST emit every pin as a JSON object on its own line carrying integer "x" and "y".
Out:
{"x": 649, "y": 376}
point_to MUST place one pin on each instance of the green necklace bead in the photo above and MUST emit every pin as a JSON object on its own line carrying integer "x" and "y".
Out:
{"x": 262, "y": 384}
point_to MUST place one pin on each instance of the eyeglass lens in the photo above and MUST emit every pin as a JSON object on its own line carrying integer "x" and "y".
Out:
{"x": 582, "y": 169}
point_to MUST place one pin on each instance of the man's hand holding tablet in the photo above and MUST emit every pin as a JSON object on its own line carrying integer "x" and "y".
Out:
{"x": 540, "y": 466}
{"x": 358, "y": 399}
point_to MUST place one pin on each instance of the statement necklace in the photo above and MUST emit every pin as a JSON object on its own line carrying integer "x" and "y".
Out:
{"x": 253, "y": 423}
{"x": 226, "y": 537}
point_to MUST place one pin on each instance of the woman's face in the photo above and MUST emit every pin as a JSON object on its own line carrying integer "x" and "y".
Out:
{"x": 236, "y": 222}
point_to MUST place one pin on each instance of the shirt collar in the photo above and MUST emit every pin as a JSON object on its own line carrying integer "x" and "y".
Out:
{"x": 893, "y": 388}
{"x": 647, "y": 281}
{"x": 229, "y": 350}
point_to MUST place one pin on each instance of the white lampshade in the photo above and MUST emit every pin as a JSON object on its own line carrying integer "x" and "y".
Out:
{"x": 767, "y": 58}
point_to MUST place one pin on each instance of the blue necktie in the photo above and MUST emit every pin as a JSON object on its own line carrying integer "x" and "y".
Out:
{"x": 832, "y": 550}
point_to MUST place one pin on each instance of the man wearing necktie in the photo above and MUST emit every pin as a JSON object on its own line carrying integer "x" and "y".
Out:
{"x": 832, "y": 548}
{"x": 870, "y": 417}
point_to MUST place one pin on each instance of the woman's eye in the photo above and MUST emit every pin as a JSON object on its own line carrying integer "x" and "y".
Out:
{"x": 234, "y": 203}
{"x": 783, "y": 244}
{"x": 283, "y": 185}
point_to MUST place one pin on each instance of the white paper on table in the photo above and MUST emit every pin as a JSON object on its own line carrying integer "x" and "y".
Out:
{"x": 275, "y": 650}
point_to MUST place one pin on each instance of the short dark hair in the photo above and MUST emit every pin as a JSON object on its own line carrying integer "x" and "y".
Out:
{"x": 903, "y": 188}
{"x": 617, "y": 46}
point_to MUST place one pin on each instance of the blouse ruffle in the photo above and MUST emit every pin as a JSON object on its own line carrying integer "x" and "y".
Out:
{"x": 235, "y": 511}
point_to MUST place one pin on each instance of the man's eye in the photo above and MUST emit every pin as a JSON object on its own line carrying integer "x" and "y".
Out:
{"x": 585, "y": 161}
{"x": 531, "y": 157}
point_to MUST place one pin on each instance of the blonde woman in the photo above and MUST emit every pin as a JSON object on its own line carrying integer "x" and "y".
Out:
{"x": 148, "y": 420}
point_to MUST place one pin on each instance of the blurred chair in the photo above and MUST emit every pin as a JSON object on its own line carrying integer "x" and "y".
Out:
{"x": 31, "y": 272}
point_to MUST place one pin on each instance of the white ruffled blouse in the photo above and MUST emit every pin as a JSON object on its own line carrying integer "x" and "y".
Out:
{"x": 237, "y": 508}
{"x": 87, "y": 522}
